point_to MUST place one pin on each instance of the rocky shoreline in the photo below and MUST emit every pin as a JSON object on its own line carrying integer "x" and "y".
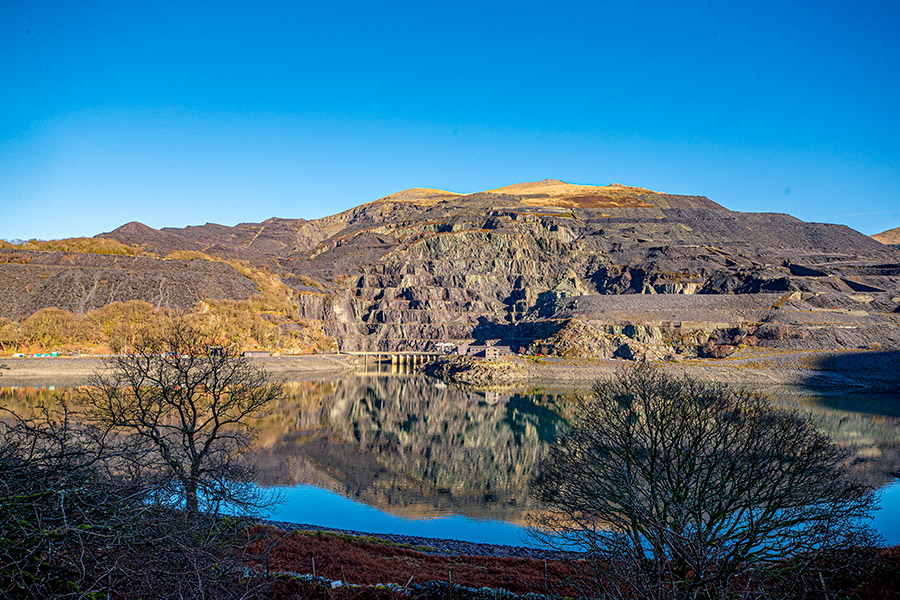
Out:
{"x": 436, "y": 545}
{"x": 64, "y": 371}
{"x": 847, "y": 369}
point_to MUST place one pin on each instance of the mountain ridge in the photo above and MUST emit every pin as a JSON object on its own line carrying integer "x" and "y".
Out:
{"x": 424, "y": 265}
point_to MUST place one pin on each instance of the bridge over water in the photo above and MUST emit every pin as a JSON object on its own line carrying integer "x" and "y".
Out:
{"x": 397, "y": 358}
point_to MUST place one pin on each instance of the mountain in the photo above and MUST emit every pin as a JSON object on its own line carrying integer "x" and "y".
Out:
{"x": 891, "y": 236}
{"x": 519, "y": 263}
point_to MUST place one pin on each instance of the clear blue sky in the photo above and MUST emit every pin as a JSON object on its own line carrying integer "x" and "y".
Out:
{"x": 177, "y": 113}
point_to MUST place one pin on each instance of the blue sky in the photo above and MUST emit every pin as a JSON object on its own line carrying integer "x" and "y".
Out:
{"x": 177, "y": 113}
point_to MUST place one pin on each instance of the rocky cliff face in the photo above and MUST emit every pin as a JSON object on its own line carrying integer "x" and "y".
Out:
{"x": 512, "y": 263}
{"x": 503, "y": 264}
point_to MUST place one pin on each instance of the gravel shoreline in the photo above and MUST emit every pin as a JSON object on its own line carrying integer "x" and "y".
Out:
{"x": 843, "y": 369}
{"x": 442, "y": 546}
{"x": 847, "y": 369}
{"x": 66, "y": 370}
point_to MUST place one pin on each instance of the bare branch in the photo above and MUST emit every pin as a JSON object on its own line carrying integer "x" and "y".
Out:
{"x": 193, "y": 408}
{"x": 677, "y": 488}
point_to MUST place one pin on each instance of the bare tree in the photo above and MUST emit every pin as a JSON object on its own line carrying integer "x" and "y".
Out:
{"x": 77, "y": 522}
{"x": 676, "y": 488}
{"x": 186, "y": 408}
{"x": 86, "y": 503}
{"x": 55, "y": 503}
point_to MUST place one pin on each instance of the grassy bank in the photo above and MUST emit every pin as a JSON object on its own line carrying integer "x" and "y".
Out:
{"x": 375, "y": 569}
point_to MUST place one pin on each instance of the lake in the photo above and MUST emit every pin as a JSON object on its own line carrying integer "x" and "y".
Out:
{"x": 411, "y": 455}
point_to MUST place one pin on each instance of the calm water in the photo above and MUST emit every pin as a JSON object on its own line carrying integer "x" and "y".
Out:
{"x": 410, "y": 455}
{"x": 312, "y": 505}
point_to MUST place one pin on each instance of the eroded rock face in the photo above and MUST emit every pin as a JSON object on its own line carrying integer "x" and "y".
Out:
{"x": 517, "y": 263}
{"x": 492, "y": 266}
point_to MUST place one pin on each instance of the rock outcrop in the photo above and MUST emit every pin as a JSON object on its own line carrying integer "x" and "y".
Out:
{"x": 468, "y": 370}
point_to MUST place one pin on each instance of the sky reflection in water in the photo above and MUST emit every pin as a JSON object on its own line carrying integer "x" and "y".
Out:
{"x": 311, "y": 505}
{"x": 887, "y": 520}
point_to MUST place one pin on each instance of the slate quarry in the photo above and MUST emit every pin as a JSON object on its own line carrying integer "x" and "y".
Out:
{"x": 544, "y": 265}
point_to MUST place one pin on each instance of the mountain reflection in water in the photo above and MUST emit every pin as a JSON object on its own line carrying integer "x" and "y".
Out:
{"x": 415, "y": 447}
{"x": 410, "y": 445}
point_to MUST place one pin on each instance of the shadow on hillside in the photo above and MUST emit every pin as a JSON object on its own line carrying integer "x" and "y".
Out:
{"x": 514, "y": 335}
{"x": 873, "y": 372}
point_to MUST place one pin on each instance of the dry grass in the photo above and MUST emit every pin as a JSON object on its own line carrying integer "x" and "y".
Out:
{"x": 84, "y": 245}
{"x": 267, "y": 319}
{"x": 872, "y": 572}
{"x": 552, "y": 192}
{"x": 419, "y": 196}
{"x": 366, "y": 561}
{"x": 891, "y": 236}
{"x": 191, "y": 255}
{"x": 549, "y": 192}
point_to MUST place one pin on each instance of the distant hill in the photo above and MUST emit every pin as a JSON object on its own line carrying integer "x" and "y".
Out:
{"x": 891, "y": 236}
{"x": 424, "y": 265}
